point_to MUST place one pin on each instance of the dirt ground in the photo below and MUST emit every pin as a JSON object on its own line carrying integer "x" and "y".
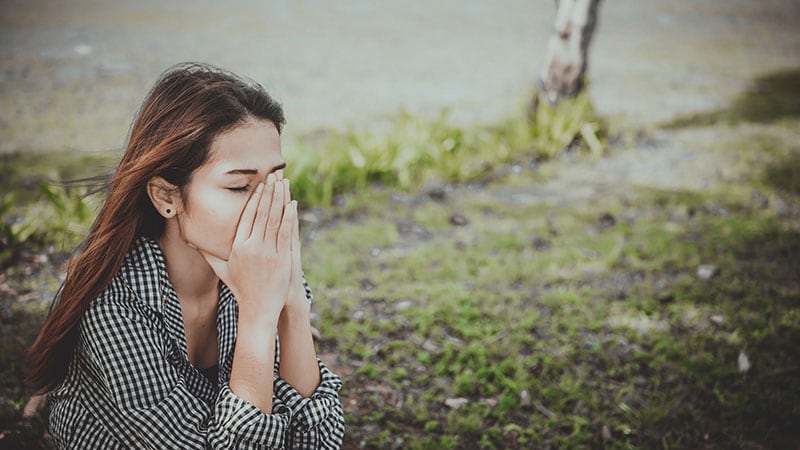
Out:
{"x": 73, "y": 73}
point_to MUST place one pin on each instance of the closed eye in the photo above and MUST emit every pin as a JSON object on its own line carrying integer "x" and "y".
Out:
{"x": 244, "y": 188}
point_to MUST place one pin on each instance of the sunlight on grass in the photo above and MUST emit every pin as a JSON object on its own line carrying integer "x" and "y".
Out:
{"x": 414, "y": 150}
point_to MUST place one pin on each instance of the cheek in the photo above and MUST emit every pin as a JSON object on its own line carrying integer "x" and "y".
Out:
{"x": 211, "y": 223}
{"x": 225, "y": 220}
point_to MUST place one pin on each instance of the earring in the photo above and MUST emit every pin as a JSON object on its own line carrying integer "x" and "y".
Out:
{"x": 169, "y": 211}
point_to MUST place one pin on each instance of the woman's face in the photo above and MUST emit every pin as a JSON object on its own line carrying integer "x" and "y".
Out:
{"x": 215, "y": 197}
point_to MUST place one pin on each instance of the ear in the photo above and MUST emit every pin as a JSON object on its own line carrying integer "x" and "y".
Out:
{"x": 164, "y": 195}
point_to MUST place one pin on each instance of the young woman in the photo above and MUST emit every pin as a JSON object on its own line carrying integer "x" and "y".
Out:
{"x": 164, "y": 332}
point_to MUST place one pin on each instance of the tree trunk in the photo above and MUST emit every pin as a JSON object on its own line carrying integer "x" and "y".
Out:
{"x": 565, "y": 62}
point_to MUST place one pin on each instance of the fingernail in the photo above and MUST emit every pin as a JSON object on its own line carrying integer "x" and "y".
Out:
{"x": 259, "y": 187}
{"x": 271, "y": 179}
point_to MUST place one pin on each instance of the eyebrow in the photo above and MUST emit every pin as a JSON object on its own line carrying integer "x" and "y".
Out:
{"x": 254, "y": 171}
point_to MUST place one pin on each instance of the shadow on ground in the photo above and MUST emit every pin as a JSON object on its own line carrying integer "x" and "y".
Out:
{"x": 769, "y": 98}
{"x": 757, "y": 293}
{"x": 785, "y": 175}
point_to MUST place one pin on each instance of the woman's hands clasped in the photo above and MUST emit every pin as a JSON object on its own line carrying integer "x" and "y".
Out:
{"x": 263, "y": 269}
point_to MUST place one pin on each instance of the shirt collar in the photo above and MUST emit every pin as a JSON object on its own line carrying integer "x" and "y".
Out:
{"x": 145, "y": 272}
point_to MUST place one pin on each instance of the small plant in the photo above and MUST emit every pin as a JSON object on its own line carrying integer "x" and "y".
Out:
{"x": 14, "y": 231}
{"x": 570, "y": 122}
{"x": 59, "y": 217}
{"x": 416, "y": 149}
{"x": 71, "y": 213}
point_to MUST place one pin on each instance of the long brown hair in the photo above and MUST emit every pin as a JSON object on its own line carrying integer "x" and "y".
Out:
{"x": 187, "y": 108}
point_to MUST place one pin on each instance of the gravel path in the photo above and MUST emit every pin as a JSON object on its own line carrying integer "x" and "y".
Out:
{"x": 73, "y": 73}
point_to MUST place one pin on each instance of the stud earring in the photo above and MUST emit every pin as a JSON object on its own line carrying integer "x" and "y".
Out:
{"x": 169, "y": 211}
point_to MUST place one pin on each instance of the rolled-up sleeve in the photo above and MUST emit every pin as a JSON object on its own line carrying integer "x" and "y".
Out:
{"x": 317, "y": 421}
{"x": 238, "y": 422}
{"x": 142, "y": 399}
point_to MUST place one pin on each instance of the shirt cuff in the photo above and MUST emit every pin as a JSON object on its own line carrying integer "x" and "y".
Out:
{"x": 307, "y": 413}
{"x": 248, "y": 423}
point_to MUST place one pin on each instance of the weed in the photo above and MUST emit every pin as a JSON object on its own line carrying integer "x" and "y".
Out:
{"x": 414, "y": 150}
{"x": 14, "y": 231}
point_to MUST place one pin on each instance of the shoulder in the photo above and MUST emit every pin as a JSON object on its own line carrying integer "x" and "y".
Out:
{"x": 137, "y": 283}
{"x": 118, "y": 335}
{"x": 131, "y": 295}
{"x": 117, "y": 318}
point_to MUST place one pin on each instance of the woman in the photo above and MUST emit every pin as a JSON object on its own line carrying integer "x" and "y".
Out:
{"x": 164, "y": 331}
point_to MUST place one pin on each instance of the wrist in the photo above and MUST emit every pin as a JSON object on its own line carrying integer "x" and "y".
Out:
{"x": 296, "y": 309}
{"x": 297, "y": 295}
{"x": 257, "y": 320}
{"x": 259, "y": 308}
{"x": 255, "y": 345}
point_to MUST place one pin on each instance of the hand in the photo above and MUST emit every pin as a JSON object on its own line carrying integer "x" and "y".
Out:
{"x": 259, "y": 267}
{"x": 296, "y": 296}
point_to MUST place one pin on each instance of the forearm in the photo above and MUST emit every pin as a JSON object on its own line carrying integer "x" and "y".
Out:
{"x": 298, "y": 363}
{"x": 253, "y": 362}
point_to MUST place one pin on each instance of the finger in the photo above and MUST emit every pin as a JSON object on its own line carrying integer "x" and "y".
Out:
{"x": 285, "y": 231}
{"x": 287, "y": 197}
{"x": 275, "y": 213}
{"x": 279, "y": 174}
{"x": 296, "y": 262}
{"x": 260, "y": 223}
{"x": 245, "y": 225}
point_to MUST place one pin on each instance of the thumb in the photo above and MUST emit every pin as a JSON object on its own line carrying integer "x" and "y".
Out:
{"x": 218, "y": 265}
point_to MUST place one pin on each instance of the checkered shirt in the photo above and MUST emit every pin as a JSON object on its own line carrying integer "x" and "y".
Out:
{"x": 130, "y": 384}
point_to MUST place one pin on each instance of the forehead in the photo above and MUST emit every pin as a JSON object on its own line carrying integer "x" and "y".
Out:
{"x": 255, "y": 144}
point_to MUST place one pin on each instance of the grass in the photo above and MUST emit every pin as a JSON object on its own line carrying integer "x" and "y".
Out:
{"x": 39, "y": 210}
{"x": 557, "y": 326}
{"x": 415, "y": 150}
{"x": 604, "y": 327}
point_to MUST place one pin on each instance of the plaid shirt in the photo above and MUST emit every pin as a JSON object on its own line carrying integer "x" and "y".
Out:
{"x": 130, "y": 383}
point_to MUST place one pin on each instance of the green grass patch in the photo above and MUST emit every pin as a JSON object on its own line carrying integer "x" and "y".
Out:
{"x": 604, "y": 328}
{"x": 414, "y": 150}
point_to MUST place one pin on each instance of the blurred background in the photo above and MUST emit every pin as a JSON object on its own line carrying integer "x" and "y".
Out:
{"x": 618, "y": 271}
{"x": 75, "y": 72}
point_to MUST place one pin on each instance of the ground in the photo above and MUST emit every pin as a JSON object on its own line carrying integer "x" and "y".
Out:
{"x": 643, "y": 298}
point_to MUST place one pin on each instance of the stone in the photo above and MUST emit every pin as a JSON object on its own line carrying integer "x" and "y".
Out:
{"x": 403, "y": 305}
{"x": 458, "y": 220}
{"x": 524, "y": 398}
{"x": 743, "y": 362}
{"x": 456, "y": 403}
{"x": 706, "y": 272}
